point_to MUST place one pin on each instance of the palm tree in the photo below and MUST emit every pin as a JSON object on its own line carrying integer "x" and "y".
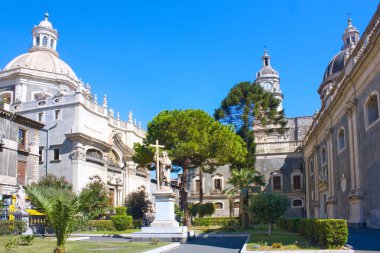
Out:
{"x": 63, "y": 209}
{"x": 244, "y": 181}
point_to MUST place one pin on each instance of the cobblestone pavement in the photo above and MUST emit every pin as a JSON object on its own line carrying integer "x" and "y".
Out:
{"x": 212, "y": 245}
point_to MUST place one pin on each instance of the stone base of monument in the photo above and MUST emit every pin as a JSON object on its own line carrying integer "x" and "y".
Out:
{"x": 164, "y": 227}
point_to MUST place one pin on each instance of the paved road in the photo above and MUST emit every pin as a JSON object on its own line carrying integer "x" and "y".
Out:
{"x": 364, "y": 240}
{"x": 212, "y": 245}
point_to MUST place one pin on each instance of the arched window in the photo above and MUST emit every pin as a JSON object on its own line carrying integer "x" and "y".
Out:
{"x": 218, "y": 205}
{"x": 341, "y": 140}
{"x": 372, "y": 109}
{"x": 6, "y": 97}
{"x": 94, "y": 156}
{"x": 45, "y": 41}
{"x": 236, "y": 204}
{"x": 52, "y": 44}
{"x": 323, "y": 155}
{"x": 297, "y": 203}
{"x": 311, "y": 166}
{"x": 37, "y": 40}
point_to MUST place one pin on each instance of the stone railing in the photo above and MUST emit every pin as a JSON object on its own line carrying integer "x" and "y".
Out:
{"x": 278, "y": 147}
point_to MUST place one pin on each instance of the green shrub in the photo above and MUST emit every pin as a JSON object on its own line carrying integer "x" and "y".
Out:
{"x": 121, "y": 210}
{"x": 206, "y": 209}
{"x": 97, "y": 225}
{"x": 137, "y": 223}
{"x": 327, "y": 233}
{"x": 12, "y": 227}
{"x": 25, "y": 239}
{"x": 215, "y": 221}
{"x": 122, "y": 222}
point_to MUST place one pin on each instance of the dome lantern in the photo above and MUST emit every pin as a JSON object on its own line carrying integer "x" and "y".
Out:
{"x": 350, "y": 36}
{"x": 45, "y": 37}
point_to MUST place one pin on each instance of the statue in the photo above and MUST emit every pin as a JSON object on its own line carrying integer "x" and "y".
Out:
{"x": 20, "y": 201}
{"x": 165, "y": 168}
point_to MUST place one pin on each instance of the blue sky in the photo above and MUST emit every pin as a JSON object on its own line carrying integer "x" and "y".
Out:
{"x": 148, "y": 56}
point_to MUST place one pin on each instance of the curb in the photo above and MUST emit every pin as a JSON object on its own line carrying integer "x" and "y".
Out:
{"x": 220, "y": 235}
{"x": 164, "y": 248}
{"x": 127, "y": 236}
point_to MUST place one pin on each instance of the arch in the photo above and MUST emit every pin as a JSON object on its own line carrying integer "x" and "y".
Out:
{"x": 6, "y": 97}
{"x": 94, "y": 156}
{"x": 371, "y": 110}
{"x": 218, "y": 205}
{"x": 45, "y": 41}
{"x": 52, "y": 43}
{"x": 341, "y": 142}
{"x": 37, "y": 40}
{"x": 297, "y": 203}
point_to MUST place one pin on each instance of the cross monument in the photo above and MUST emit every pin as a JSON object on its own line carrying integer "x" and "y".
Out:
{"x": 157, "y": 156}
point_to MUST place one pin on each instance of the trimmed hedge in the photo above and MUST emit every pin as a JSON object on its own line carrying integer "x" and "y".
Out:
{"x": 327, "y": 233}
{"x": 122, "y": 222}
{"x": 215, "y": 221}
{"x": 15, "y": 227}
{"x": 98, "y": 225}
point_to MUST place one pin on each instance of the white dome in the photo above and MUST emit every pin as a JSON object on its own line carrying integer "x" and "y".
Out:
{"x": 41, "y": 60}
{"x": 46, "y": 23}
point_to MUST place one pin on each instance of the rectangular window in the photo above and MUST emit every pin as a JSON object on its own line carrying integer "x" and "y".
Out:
{"x": 40, "y": 153}
{"x": 41, "y": 117}
{"x": 276, "y": 183}
{"x": 297, "y": 182}
{"x": 56, "y": 154}
{"x": 218, "y": 184}
{"x": 21, "y": 138}
{"x": 57, "y": 114}
{"x": 21, "y": 167}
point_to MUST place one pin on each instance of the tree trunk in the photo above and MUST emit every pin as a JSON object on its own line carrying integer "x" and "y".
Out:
{"x": 270, "y": 228}
{"x": 244, "y": 213}
{"x": 183, "y": 196}
{"x": 200, "y": 185}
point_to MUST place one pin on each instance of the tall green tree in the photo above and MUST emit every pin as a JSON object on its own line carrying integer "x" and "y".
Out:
{"x": 269, "y": 206}
{"x": 193, "y": 139}
{"x": 245, "y": 106}
{"x": 244, "y": 182}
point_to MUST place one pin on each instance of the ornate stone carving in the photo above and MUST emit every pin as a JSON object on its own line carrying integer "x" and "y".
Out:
{"x": 78, "y": 154}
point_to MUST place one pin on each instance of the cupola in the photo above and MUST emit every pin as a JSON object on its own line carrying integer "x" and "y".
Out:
{"x": 45, "y": 37}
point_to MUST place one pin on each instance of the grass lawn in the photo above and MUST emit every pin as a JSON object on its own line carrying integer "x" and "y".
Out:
{"x": 128, "y": 231}
{"x": 47, "y": 245}
{"x": 260, "y": 240}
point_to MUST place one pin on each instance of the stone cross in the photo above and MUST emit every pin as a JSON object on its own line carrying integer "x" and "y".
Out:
{"x": 157, "y": 156}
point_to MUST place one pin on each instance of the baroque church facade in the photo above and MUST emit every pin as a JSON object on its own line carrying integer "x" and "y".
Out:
{"x": 341, "y": 148}
{"x": 82, "y": 140}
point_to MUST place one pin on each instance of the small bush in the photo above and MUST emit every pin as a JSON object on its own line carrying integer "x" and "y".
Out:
{"x": 215, "y": 221}
{"x": 121, "y": 210}
{"x": 277, "y": 245}
{"x": 12, "y": 227}
{"x": 122, "y": 222}
{"x": 25, "y": 239}
{"x": 207, "y": 209}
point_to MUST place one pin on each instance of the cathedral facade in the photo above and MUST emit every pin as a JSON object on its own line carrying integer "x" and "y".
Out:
{"x": 341, "y": 148}
{"x": 83, "y": 140}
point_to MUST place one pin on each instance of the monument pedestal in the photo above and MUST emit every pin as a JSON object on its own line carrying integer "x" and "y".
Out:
{"x": 164, "y": 227}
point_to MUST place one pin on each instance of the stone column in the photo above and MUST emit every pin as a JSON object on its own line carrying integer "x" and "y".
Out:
{"x": 331, "y": 200}
{"x": 356, "y": 217}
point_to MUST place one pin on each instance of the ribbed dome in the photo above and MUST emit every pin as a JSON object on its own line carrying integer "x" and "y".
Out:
{"x": 335, "y": 65}
{"x": 41, "y": 60}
